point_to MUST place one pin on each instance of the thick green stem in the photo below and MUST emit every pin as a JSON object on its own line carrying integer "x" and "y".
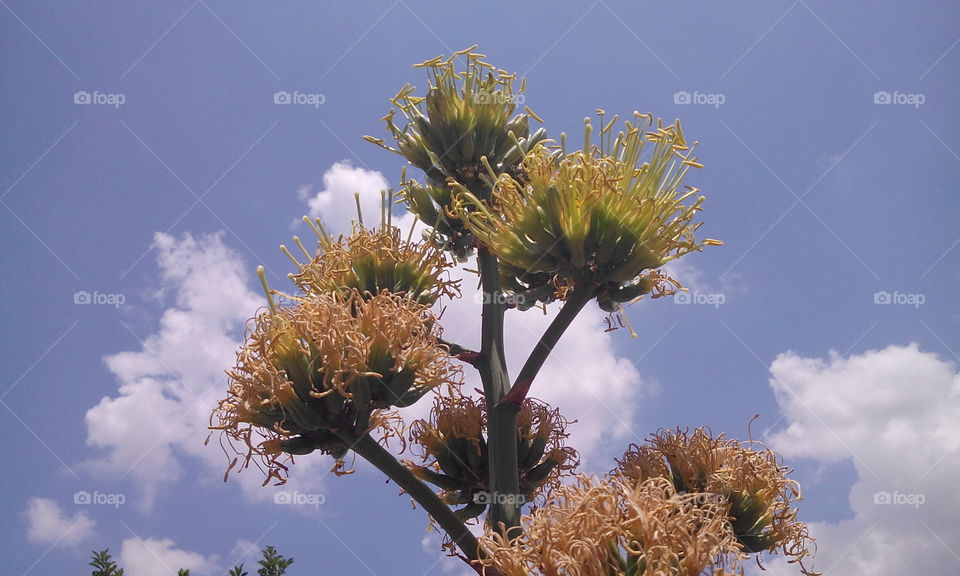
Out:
{"x": 371, "y": 451}
{"x": 501, "y": 423}
{"x": 574, "y": 304}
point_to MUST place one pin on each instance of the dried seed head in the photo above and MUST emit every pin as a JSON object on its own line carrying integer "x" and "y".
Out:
{"x": 612, "y": 526}
{"x": 452, "y": 443}
{"x": 328, "y": 363}
{"x": 373, "y": 260}
{"x": 748, "y": 477}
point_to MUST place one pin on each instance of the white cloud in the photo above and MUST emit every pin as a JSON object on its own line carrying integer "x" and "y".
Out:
{"x": 896, "y": 413}
{"x": 156, "y": 557}
{"x": 335, "y": 204}
{"x": 170, "y": 385}
{"x": 47, "y": 523}
{"x": 690, "y": 277}
{"x": 244, "y": 551}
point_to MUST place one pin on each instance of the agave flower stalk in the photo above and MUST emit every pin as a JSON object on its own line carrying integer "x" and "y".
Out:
{"x": 545, "y": 224}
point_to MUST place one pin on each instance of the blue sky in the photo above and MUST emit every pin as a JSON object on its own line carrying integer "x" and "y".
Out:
{"x": 145, "y": 161}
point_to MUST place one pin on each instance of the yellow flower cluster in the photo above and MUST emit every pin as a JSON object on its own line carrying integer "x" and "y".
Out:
{"x": 466, "y": 125}
{"x": 602, "y": 219}
{"x": 371, "y": 261}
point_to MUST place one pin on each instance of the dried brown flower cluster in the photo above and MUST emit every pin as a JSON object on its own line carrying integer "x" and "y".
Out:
{"x": 328, "y": 363}
{"x": 371, "y": 261}
{"x": 454, "y": 449}
{"x": 612, "y": 526}
{"x": 748, "y": 477}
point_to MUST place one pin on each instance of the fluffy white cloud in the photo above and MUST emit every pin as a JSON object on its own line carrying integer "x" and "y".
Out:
{"x": 170, "y": 385}
{"x": 335, "y": 204}
{"x": 896, "y": 413}
{"x": 48, "y": 524}
{"x": 156, "y": 557}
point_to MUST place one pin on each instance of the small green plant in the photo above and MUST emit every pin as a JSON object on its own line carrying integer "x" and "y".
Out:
{"x": 272, "y": 564}
{"x": 103, "y": 564}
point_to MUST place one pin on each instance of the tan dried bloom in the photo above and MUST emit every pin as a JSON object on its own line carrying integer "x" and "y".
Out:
{"x": 748, "y": 477}
{"x": 454, "y": 448}
{"x": 612, "y": 527}
{"x": 328, "y": 363}
{"x": 373, "y": 260}
{"x": 541, "y": 452}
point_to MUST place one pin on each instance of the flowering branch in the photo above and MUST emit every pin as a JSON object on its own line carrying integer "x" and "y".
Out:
{"x": 577, "y": 299}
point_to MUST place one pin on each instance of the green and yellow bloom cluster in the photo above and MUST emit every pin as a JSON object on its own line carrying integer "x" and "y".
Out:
{"x": 603, "y": 219}
{"x": 329, "y": 363}
{"x": 371, "y": 261}
{"x": 465, "y": 126}
{"x": 360, "y": 341}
